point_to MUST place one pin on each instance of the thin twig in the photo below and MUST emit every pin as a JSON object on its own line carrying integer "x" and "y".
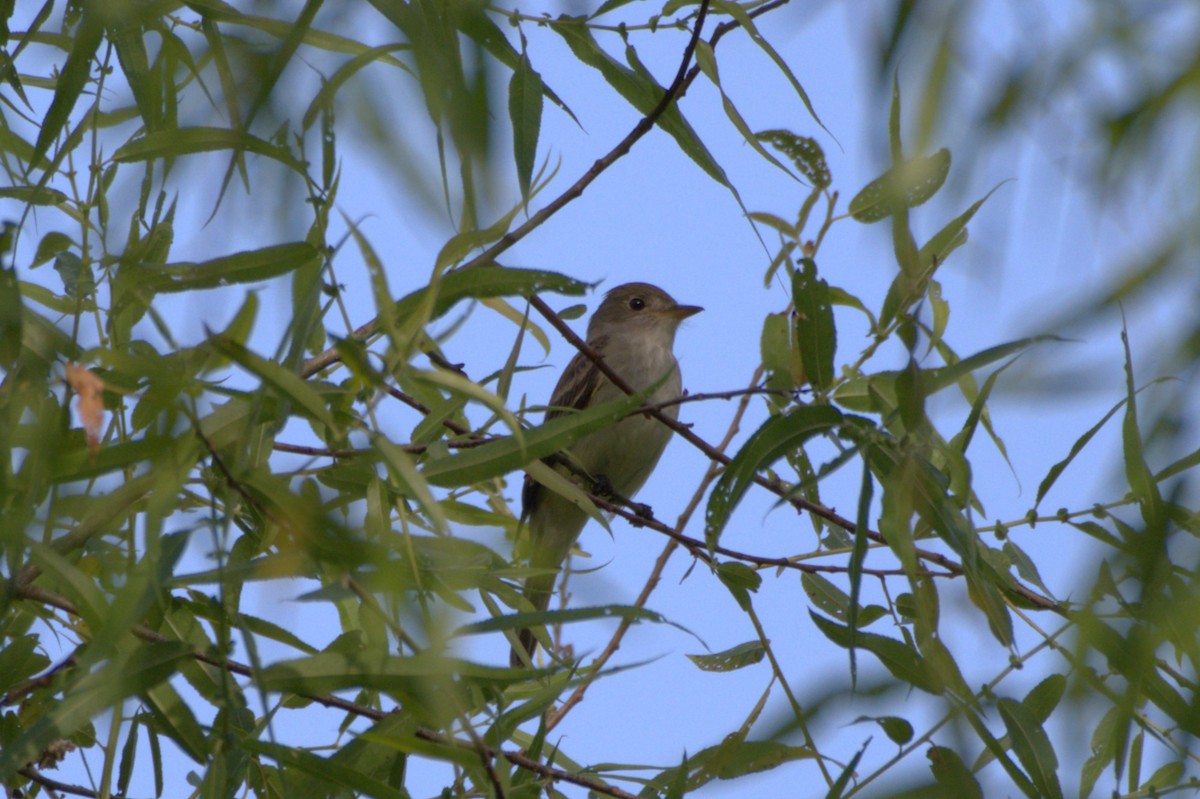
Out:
{"x": 30, "y": 773}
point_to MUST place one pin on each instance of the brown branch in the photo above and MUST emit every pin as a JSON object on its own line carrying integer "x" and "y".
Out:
{"x": 30, "y": 773}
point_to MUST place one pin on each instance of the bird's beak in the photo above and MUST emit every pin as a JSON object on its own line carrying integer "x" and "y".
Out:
{"x": 682, "y": 312}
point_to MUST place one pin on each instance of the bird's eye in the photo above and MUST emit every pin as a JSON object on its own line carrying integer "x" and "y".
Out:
{"x": 637, "y": 303}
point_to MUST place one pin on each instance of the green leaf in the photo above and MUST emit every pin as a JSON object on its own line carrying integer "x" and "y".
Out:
{"x": 135, "y": 669}
{"x": 288, "y": 385}
{"x": 707, "y": 61}
{"x": 825, "y": 595}
{"x": 1032, "y": 746}
{"x": 51, "y": 245}
{"x": 805, "y": 152}
{"x": 906, "y": 185}
{"x": 188, "y": 141}
{"x": 35, "y": 195}
{"x": 839, "y": 786}
{"x": 324, "y": 98}
{"x": 487, "y": 281}
{"x": 746, "y": 21}
{"x": 946, "y": 240}
{"x": 640, "y": 90}
{"x": 335, "y": 671}
{"x": 19, "y": 660}
{"x": 777, "y": 437}
{"x": 1166, "y": 776}
{"x": 525, "y": 112}
{"x": 251, "y": 266}
{"x": 741, "y": 581}
{"x": 325, "y": 770}
{"x": 899, "y": 658}
{"x": 517, "y": 621}
{"x": 12, "y": 312}
{"x": 816, "y": 337}
{"x": 174, "y": 718}
{"x": 125, "y": 33}
{"x": 1137, "y": 472}
{"x": 502, "y": 455}
{"x": 738, "y": 657}
{"x": 74, "y": 75}
{"x": 898, "y": 730}
{"x": 751, "y": 757}
{"x": 952, "y": 774}
{"x": 409, "y": 481}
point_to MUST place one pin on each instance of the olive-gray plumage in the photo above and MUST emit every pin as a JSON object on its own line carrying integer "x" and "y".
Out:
{"x": 634, "y": 330}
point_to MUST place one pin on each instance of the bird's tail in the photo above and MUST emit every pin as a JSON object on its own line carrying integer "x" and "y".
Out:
{"x": 537, "y": 591}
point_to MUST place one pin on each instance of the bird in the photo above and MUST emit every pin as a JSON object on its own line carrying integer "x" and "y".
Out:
{"x": 633, "y": 329}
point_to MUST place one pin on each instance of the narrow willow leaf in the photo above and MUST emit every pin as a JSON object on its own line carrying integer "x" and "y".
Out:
{"x": 837, "y": 790}
{"x": 251, "y": 266}
{"x": 858, "y": 556}
{"x": 778, "y": 436}
{"x": 775, "y": 349}
{"x": 642, "y": 92}
{"x": 746, "y": 21}
{"x": 707, "y": 61}
{"x": 525, "y": 113}
{"x": 325, "y": 770}
{"x": 816, "y": 336}
{"x": 1166, "y": 776}
{"x": 329, "y": 88}
{"x": 934, "y": 252}
{"x": 1032, "y": 747}
{"x": 738, "y": 657}
{"x": 826, "y": 596}
{"x": 904, "y": 186}
{"x": 899, "y": 658}
{"x": 517, "y": 621}
{"x": 489, "y": 281}
{"x": 127, "y": 39}
{"x": 35, "y": 195}
{"x": 409, "y": 481}
{"x": 73, "y": 76}
{"x": 188, "y": 141}
{"x": 1137, "y": 472}
{"x": 336, "y": 671}
{"x": 501, "y": 456}
{"x": 174, "y": 718}
{"x": 286, "y": 384}
{"x": 1057, "y": 469}
{"x": 12, "y": 311}
{"x": 751, "y": 757}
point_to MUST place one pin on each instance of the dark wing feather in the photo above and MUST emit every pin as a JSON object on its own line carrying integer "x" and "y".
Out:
{"x": 575, "y": 390}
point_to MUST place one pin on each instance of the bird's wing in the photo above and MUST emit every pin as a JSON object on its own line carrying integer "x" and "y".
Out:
{"x": 575, "y": 390}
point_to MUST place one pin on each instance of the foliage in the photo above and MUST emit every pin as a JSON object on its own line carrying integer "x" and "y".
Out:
{"x": 123, "y": 444}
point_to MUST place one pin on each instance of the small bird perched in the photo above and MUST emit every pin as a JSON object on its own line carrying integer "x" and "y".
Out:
{"x": 634, "y": 330}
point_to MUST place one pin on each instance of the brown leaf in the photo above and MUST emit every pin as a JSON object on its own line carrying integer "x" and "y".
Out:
{"x": 90, "y": 390}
